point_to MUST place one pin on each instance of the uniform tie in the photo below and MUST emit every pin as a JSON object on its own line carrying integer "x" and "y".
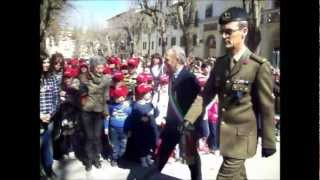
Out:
{"x": 232, "y": 63}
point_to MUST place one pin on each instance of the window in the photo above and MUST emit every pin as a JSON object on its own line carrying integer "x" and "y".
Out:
{"x": 196, "y": 20}
{"x": 152, "y": 44}
{"x": 144, "y": 45}
{"x": 182, "y": 42}
{"x": 194, "y": 39}
{"x": 175, "y": 22}
{"x": 159, "y": 41}
{"x": 173, "y": 41}
{"x": 209, "y": 11}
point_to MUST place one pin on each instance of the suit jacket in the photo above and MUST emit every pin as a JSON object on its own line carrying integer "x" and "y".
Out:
{"x": 185, "y": 89}
{"x": 245, "y": 92}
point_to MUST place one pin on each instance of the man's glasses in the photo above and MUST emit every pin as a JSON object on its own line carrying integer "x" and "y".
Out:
{"x": 228, "y": 31}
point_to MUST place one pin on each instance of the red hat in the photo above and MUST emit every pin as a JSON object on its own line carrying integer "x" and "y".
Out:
{"x": 81, "y": 61}
{"x": 133, "y": 62}
{"x": 142, "y": 89}
{"x": 124, "y": 66}
{"x": 74, "y": 62}
{"x": 149, "y": 77}
{"x": 141, "y": 78}
{"x": 117, "y": 76}
{"x": 83, "y": 65}
{"x": 164, "y": 79}
{"x": 107, "y": 69}
{"x": 69, "y": 72}
{"x": 119, "y": 91}
{"x": 114, "y": 60}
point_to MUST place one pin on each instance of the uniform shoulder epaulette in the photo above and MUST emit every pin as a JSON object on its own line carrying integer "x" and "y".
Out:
{"x": 258, "y": 59}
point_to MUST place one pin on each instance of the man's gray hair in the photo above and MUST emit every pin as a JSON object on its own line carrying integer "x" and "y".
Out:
{"x": 243, "y": 24}
{"x": 180, "y": 53}
{"x": 95, "y": 61}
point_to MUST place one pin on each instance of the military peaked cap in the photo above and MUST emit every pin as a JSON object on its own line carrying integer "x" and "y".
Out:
{"x": 233, "y": 14}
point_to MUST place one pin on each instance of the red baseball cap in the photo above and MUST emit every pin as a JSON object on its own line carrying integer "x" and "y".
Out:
{"x": 143, "y": 89}
{"x": 119, "y": 91}
{"x": 117, "y": 76}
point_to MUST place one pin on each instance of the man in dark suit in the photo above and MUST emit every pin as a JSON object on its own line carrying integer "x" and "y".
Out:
{"x": 182, "y": 113}
{"x": 243, "y": 83}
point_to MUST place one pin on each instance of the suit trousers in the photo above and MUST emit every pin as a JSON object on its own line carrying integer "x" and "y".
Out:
{"x": 92, "y": 126}
{"x": 232, "y": 169}
{"x": 170, "y": 138}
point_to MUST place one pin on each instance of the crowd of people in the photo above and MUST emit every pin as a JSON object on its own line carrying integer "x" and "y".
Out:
{"x": 111, "y": 108}
{"x": 128, "y": 103}
{"x": 105, "y": 106}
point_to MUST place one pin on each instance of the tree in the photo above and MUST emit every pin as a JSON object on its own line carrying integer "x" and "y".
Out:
{"x": 49, "y": 9}
{"x": 186, "y": 15}
{"x": 253, "y": 8}
{"x": 160, "y": 18}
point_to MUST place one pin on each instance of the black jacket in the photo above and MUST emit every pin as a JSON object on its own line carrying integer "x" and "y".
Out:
{"x": 185, "y": 89}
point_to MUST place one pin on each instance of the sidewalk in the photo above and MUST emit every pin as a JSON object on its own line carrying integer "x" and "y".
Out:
{"x": 258, "y": 168}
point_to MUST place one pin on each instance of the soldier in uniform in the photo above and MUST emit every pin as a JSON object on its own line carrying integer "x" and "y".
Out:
{"x": 243, "y": 83}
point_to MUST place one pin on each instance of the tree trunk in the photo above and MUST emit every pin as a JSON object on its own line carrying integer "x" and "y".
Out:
{"x": 149, "y": 43}
{"x": 163, "y": 43}
{"x": 254, "y": 35}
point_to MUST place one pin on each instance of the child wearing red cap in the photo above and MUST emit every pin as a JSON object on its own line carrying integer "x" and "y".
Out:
{"x": 141, "y": 126}
{"x": 119, "y": 109}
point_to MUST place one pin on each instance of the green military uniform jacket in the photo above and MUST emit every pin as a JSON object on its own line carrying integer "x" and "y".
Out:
{"x": 248, "y": 82}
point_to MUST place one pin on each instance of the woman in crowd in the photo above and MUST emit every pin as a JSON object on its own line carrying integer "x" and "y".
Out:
{"x": 84, "y": 73}
{"x": 57, "y": 66}
{"x": 49, "y": 100}
{"x": 156, "y": 68}
{"x": 92, "y": 116}
{"x": 212, "y": 140}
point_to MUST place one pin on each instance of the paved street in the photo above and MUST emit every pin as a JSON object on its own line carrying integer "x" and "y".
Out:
{"x": 257, "y": 169}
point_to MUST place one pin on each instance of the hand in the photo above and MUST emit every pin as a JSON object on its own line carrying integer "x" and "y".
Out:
{"x": 266, "y": 152}
{"x": 62, "y": 93}
{"x": 45, "y": 118}
{"x": 106, "y": 131}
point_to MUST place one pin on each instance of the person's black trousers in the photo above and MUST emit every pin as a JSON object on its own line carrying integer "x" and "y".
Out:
{"x": 92, "y": 126}
{"x": 170, "y": 138}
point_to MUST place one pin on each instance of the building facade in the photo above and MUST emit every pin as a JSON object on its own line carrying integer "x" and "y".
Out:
{"x": 207, "y": 41}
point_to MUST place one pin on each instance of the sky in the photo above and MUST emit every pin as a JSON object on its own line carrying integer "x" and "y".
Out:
{"x": 86, "y": 13}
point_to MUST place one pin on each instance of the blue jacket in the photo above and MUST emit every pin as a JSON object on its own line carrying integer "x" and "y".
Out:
{"x": 118, "y": 114}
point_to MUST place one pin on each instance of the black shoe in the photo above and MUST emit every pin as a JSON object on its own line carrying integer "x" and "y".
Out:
{"x": 88, "y": 167}
{"x": 97, "y": 164}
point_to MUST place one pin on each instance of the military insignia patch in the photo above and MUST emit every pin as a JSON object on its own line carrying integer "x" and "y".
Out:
{"x": 226, "y": 16}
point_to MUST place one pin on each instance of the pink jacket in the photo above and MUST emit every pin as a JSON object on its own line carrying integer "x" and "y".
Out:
{"x": 213, "y": 113}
